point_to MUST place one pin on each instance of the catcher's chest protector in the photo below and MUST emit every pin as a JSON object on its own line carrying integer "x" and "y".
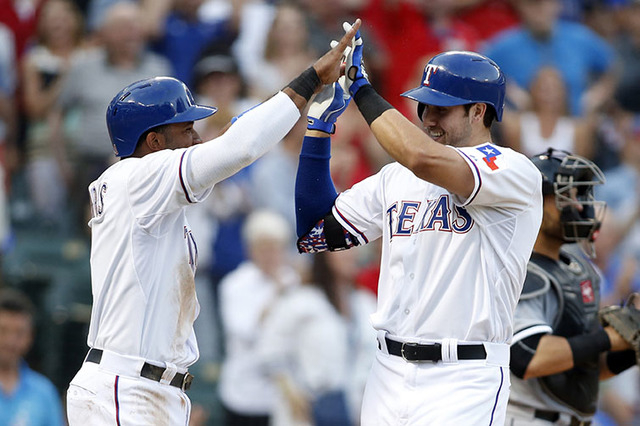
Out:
{"x": 577, "y": 286}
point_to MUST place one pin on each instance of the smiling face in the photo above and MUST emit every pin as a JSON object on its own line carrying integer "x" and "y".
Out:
{"x": 448, "y": 125}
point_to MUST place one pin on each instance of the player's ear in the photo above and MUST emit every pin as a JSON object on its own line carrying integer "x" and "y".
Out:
{"x": 154, "y": 141}
{"x": 478, "y": 111}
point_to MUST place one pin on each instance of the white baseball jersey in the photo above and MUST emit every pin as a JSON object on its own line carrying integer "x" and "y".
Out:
{"x": 143, "y": 252}
{"x": 450, "y": 267}
{"x": 143, "y": 259}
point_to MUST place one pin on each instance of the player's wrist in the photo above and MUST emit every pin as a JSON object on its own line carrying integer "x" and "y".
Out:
{"x": 617, "y": 362}
{"x": 370, "y": 103}
{"x": 306, "y": 84}
{"x": 357, "y": 85}
{"x": 585, "y": 347}
{"x": 314, "y": 123}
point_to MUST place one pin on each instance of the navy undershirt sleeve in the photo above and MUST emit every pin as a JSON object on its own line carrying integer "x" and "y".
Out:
{"x": 315, "y": 191}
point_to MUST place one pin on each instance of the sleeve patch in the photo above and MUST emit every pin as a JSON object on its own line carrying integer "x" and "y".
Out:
{"x": 491, "y": 156}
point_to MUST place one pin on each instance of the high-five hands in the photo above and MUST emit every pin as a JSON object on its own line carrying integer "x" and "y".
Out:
{"x": 328, "y": 66}
{"x": 355, "y": 73}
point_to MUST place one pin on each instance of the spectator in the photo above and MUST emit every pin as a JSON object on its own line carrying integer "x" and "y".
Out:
{"x": 218, "y": 81}
{"x": 93, "y": 78}
{"x": 303, "y": 346}
{"x": 60, "y": 32}
{"x": 183, "y": 37}
{"x": 355, "y": 154}
{"x": 584, "y": 59}
{"x": 338, "y": 272}
{"x": 627, "y": 46}
{"x": 8, "y": 127}
{"x": 619, "y": 242}
{"x": 26, "y": 397}
{"x": 411, "y": 33}
{"x": 321, "y": 18}
{"x": 246, "y": 294}
{"x": 283, "y": 56}
{"x": 273, "y": 176}
{"x": 153, "y": 14}
{"x": 488, "y": 17}
{"x": 21, "y": 18}
{"x": 547, "y": 122}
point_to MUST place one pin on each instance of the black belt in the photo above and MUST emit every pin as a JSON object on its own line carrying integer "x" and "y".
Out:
{"x": 433, "y": 352}
{"x": 554, "y": 416}
{"x": 149, "y": 371}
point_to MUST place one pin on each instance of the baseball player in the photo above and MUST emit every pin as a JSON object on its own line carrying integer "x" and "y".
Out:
{"x": 458, "y": 217}
{"x": 143, "y": 252}
{"x": 559, "y": 350}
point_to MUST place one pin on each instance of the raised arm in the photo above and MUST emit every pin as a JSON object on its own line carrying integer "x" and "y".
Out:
{"x": 408, "y": 144}
{"x": 315, "y": 192}
{"x": 325, "y": 70}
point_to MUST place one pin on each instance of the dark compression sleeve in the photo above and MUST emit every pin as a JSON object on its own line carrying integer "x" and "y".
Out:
{"x": 521, "y": 354}
{"x": 315, "y": 192}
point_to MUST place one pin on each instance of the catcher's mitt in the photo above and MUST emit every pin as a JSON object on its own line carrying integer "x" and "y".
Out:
{"x": 625, "y": 320}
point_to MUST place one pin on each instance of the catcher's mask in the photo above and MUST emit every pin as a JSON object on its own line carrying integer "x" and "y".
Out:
{"x": 571, "y": 179}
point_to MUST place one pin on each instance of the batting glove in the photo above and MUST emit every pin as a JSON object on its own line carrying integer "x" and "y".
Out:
{"x": 356, "y": 75}
{"x": 327, "y": 107}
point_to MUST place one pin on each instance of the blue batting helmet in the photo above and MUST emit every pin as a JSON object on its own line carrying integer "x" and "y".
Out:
{"x": 460, "y": 78}
{"x": 146, "y": 104}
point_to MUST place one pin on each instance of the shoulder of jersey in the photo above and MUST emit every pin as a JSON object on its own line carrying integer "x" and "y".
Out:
{"x": 489, "y": 157}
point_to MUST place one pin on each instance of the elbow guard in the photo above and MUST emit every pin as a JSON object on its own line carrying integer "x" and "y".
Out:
{"x": 337, "y": 237}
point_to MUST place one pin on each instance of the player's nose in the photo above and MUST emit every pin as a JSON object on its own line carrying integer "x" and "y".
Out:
{"x": 196, "y": 138}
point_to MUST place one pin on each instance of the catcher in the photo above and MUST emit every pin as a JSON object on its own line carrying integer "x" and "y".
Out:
{"x": 560, "y": 350}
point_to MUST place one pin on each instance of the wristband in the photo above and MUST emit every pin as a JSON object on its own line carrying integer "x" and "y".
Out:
{"x": 370, "y": 103}
{"x": 617, "y": 362}
{"x": 323, "y": 126}
{"x": 306, "y": 83}
{"x": 585, "y": 347}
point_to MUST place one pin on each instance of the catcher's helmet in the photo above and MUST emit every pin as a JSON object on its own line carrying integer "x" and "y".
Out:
{"x": 571, "y": 179}
{"x": 146, "y": 104}
{"x": 460, "y": 78}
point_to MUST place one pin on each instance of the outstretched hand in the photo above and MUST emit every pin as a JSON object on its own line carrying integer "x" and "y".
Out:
{"x": 356, "y": 75}
{"x": 328, "y": 66}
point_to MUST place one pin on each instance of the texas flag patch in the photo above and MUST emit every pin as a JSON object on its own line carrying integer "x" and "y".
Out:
{"x": 490, "y": 156}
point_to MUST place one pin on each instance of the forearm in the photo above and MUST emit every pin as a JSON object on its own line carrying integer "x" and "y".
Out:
{"x": 411, "y": 147}
{"x": 247, "y": 139}
{"x": 553, "y": 355}
{"x": 315, "y": 192}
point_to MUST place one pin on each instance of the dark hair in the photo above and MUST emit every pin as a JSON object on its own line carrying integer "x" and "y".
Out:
{"x": 15, "y": 301}
{"x": 159, "y": 129}
{"x": 489, "y": 115}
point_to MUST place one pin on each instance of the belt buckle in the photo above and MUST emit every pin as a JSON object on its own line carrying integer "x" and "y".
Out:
{"x": 411, "y": 345}
{"x": 186, "y": 381}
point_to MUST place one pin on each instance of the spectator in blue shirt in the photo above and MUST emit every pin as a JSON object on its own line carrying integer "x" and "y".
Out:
{"x": 185, "y": 35}
{"x": 26, "y": 397}
{"x": 584, "y": 59}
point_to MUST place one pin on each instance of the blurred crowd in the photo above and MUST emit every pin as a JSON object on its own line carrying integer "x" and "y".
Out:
{"x": 280, "y": 333}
